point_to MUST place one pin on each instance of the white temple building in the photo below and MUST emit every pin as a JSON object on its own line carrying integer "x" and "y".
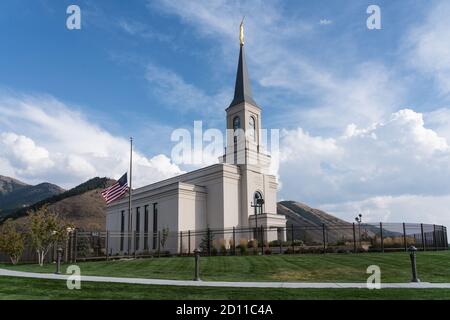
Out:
{"x": 219, "y": 196}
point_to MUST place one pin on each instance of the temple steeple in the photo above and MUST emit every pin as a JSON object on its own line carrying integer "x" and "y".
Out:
{"x": 244, "y": 122}
{"x": 242, "y": 89}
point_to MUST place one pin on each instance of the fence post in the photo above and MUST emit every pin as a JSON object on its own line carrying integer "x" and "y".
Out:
{"x": 107, "y": 245}
{"x": 262, "y": 240}
{"x": 354, "y": 238}
{"x": 323, "y": 237}
{"x": 209, "y": 241}
{"x": 404, "y": 237}
{"x": 381, "y": 237}
{"x": 66, "y": 249}
{"x": 446, "y": 239}
{"x": 159, "y": 244}
{"x": 292, "y": 238}
{"x": 423, "y": 237}
{"x": 135, "y": 243}
{"x": 181, "y": 243}
{"x": 75, "y": 246}
{"x": 281, "y": 244}
{"x": 234, "y": 241}
{"x": 434, "y": 237}
{"x": 189, "y": 242}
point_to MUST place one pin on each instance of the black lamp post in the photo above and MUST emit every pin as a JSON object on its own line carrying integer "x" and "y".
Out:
{"x": 197, "y": 265}
{"x": 358, "y": 219}
{"x": 412, "y": 256}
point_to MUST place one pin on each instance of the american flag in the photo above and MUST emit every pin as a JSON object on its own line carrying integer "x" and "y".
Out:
{"x": 117, "y": 190}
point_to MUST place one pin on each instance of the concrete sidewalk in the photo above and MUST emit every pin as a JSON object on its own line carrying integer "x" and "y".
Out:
{"x": 304, "y": 285}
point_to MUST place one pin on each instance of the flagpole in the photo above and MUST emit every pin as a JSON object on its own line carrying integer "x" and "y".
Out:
{"x": 130, "y": 214}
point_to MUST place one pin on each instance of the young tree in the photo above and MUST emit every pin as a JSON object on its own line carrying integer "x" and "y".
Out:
{"x": 206, "y": 242}
{"x": 11, "y": 241}
{"x": 46, "y": 229}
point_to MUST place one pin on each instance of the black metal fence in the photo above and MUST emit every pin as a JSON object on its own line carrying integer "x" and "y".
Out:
{"x": 345, "y": 238}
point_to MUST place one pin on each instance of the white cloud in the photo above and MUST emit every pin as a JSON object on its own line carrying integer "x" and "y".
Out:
{"x": 439, "y": 121}
{"x": 178, "y": 94}
{"x": 365, "y": 97}
{"x": 43, "y": 140}
{"x": 136, "y": 28}
{"x": 362, "y": 94}
{"x": 418, "y": 209}
{"x": 396, "y": 157}
{"x": 29, "y": 159}
{"x": 428, "y": 45}
{"x": 325, "y": 22}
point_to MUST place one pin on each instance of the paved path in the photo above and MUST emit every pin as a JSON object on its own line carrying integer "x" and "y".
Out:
{"x": 304, "y": 285}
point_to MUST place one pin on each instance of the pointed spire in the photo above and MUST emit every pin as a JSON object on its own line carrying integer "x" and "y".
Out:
{"x": 242, "y": 90}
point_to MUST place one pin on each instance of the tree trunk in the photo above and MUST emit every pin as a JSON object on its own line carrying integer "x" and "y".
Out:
{"x": 40, "y": 257}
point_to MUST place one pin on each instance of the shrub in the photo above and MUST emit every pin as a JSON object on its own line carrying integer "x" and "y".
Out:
{"x": 11, "y": 241}
{"x": 207, "y": 240}
{"x": 298, "y": 243}
{"x": 231, "y": 243}
{"x": 223, "y": 249}
{"x": 274, "y": 243}
{"x": 243, "y": 249}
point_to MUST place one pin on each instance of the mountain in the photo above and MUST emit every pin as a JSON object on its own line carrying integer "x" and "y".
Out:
{"x": 82, "y": 205}
{"x": 15, "y": 194}
{"x": 312, "y": 221}
{"x": 8, "y": 185}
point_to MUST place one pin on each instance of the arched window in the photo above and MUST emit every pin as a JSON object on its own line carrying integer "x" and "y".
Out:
{"x": 236, "y": 123}
{"x": 236, "y": 126}
{"x": 258, "y": 199}
{"x": 252, "y": 127}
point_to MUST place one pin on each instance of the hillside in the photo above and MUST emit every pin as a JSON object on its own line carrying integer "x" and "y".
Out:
{"x": 86, "y": 211}
{"x": 300, "y": 215}
{"x": 8, "y": 185}
{"x": 81, "y": 205}
{"x": 15, "y": 194}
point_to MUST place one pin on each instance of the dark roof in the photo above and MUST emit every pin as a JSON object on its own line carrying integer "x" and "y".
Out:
{"x": 242, "y": 90}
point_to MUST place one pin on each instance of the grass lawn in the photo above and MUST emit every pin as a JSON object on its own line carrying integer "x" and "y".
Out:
{"x": 395, "y": 267}
{"x": 19, "y": 288}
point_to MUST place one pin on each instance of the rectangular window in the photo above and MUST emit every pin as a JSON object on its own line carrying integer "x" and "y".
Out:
{"x": 138, "y": 227}
{"x": 155, "y": 225}
{"x": 122, "y": 228}
{"x": 146, "y": 227}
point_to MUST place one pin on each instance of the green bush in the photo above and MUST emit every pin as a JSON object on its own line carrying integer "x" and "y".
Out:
{"x": 298, "y": 243}
{"x": 243, "y": 250}
{"x": 223, "y": 250}
{"x": 274, "y": 243}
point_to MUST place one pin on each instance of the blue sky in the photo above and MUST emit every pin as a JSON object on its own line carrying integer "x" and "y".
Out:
{"x": 364, "y": 114}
